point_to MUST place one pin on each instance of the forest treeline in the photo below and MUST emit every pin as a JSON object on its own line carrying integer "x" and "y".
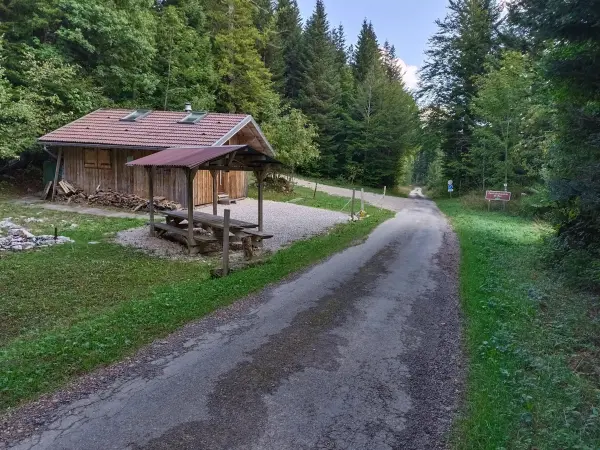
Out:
{"x": 511, "y": 94}
{"x": 330, "y": 109}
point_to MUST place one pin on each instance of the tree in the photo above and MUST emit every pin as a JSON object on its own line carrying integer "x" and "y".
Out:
{"x": 502, "y": 106}
{"x": 455, "y": 59}
{"x": 294, "y": 138}
{"x": 571, "y": 63}
{"x": 287, "y": 50}
{"x": 320, "y": 84}
{"x": 244, "y": 81}
{"x": 366, "y": 52}
{"x": 183, "y": 61}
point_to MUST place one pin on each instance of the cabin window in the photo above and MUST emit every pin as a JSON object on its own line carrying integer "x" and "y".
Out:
{"x": 97, "y": 159}
{"x": 91, "y": 159}
{"x": 104, "y": 159}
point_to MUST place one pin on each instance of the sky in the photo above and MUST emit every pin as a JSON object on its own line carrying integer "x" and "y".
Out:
{"x": 407, "y": 24}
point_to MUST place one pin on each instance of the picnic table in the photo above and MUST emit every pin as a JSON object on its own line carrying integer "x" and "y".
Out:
{"x": 214, "y": 226}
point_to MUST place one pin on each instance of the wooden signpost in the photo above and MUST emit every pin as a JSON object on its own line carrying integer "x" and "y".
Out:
{"x": 497, "y": 196}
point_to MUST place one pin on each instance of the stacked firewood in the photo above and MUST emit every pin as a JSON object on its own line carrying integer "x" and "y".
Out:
{"x": 107, "y": 197}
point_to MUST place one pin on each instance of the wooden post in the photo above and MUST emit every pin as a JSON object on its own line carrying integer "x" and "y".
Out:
{"x": 352, "y": 204}
{"x": 260, "y": 178}
{"x": 226, "y": 242}
{"x": 362, "y": 199}
{"x": 56, "y": 173}
{"x": 384, "y": 191}
{"x": 190, "y": 205}
{"x": 215, "y": 198}
{"x": 151, "y": 171}
{"x": 315, "y": 193}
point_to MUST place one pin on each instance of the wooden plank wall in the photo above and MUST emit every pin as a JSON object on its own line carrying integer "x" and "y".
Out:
{"x": 169, "y": 183}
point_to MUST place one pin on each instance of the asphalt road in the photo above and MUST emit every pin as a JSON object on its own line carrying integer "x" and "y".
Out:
{"x": 361, "y": 351}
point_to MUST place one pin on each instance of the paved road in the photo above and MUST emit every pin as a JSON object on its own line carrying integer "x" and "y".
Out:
{"x": 358, "y": 352}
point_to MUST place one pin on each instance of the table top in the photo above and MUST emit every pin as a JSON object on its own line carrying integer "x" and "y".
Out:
{"x": 209, "y": 219}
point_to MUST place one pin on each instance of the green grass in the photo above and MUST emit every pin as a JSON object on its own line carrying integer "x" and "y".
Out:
{"x": 532, "y": 342}
{"x": 306, "y": 197}
{"x": 69, "y": 309}
{"x": 395, "y": 191}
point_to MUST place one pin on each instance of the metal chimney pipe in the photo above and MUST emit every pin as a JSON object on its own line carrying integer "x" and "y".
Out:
{"x": 188, "y": 107}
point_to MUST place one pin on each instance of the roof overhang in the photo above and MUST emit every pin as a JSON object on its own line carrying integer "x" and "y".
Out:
{"x": 224, "y": 157}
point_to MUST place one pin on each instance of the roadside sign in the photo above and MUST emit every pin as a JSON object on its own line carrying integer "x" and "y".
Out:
{"x": 450, "y": 182}
{"x": 502, "y": 196}
{"x": 450, "y": 188}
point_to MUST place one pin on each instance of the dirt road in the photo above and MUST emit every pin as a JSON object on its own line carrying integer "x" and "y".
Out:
{"x": 359, "y": 352}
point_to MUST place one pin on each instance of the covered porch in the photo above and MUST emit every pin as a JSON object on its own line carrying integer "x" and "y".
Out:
{"x": 198, "y": 230}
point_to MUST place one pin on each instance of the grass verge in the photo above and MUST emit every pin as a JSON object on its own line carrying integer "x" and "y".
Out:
{"x": 73, "y": 308}
{"x": 395, "y": 191}
{"x": 534, "y": 375}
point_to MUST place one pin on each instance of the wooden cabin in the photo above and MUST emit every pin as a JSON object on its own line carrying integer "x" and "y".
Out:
{"x": 94, "y": 150}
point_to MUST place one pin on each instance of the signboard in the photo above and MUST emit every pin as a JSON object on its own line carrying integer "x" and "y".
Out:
{"x": 450, "y": 182}
{"x": 501, "y": 196}
{"x": 450, "y": 188}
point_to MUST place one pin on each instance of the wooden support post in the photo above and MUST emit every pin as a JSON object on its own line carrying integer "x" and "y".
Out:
{"x": 56, "y": 173}
{"x": 384, "y": 191}
{"x": 362, "y": 199}
{"x": 352, "y": 204}
{"x": 315, "y": 193}
{"x": 260, "y": 200}
{"x": 226, "y": 242}
{"x": 151, "y": 171}
{"x": 215, "y": 197}
{"x": 190, "y": 205}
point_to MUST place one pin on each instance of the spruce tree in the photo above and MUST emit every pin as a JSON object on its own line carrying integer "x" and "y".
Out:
{"x": 366, "y": 52}
{"x": 244, "y": 81}
{"x": 286, "y": 43}
{"x": 320, "y": 84}
{"x": 456, "y": 57}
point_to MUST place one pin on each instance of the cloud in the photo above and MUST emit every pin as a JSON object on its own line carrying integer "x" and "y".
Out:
{"x": 409, "y": 74}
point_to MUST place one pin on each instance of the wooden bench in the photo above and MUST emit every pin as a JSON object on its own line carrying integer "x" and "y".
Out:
{"x": 165, "y": 228}
{"x": 258, "y": 234}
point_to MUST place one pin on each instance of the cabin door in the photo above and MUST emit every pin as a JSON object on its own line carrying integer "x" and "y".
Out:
{"x": 221, "y": 182}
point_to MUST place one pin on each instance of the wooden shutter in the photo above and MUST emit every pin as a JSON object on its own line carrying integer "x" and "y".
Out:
{"x": 90, "y": 158}
{"x": 104, "y": 159}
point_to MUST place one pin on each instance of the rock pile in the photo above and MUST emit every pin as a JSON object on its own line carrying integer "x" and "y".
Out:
{"x": 18, "y": 238}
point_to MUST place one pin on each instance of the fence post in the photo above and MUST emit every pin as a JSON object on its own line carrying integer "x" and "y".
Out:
{"x": 352, "y": 205}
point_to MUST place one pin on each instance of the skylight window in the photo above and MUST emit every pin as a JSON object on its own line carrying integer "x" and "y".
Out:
{"x": 137, "y": 114}
{"x": 193, "y": 117}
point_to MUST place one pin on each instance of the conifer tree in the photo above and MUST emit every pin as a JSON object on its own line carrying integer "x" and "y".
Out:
{"x": 456, "y": 57}
{"x": 320, "y": 83}
{"x": 286, "y": 43}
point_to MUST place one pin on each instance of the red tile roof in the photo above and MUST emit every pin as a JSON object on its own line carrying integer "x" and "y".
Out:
{"x": 157, "y": 130}
{"x": 193, "y": 157}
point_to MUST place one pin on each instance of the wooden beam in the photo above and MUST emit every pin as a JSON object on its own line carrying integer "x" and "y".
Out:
{"x": 56, "y": 172}
{"x": 215, "y": 194}
{"x": 151, "y": 171}
{"x": 226, "y": 219}
{"x": 191, "y": 174}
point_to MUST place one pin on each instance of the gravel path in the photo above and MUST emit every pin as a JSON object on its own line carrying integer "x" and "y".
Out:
{"x": 287, "y": 221}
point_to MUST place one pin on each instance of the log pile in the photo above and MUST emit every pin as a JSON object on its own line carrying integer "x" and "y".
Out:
{"x": 107, "y": 197}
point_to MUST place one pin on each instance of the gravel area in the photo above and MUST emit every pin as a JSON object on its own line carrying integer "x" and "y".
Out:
{"x": 288, "y": 222}
{"x": 139, "y": 238}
